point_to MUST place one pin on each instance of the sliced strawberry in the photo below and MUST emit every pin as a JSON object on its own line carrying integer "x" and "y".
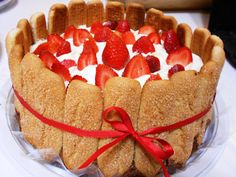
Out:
{"x": 154, "y": 77}
{"x": 146, "y": 30}
{"x": 80, "y": 78}
{"x": 95, "y": 26}
{"x": 119, "y": 34}
{"x": 69, "y": 32}
{"x": 87, "y": 57}
{"x": 111, "y": 24}
{"x": 171, "y": 41}
{"x": 154, "y": 38}
{"x": 181, "y": 56}
{"x": 64, "y": 49}
{"x": 153, "y": 63}
{"x": 128, "y": 37}
{"x": 123, "y": 26}
{"x": 54, "y": 42}
{"x": 143, "y": 45}
{"x": 136, "y": 67}
{"x": 176, "y": 68}
{"x": 80, "y": 36}
{"x": 103, "y": 73}
{"x": 102, "y": 34}
{"x": 115, "y": 53}
{"x": 40, "y": 48}
{"x": 163, "y": 35}
{"x": 61, "y": 70}
{"x": 48, "y": 58}
{"x": 68, "y": 63}
{"x": 93, "y": 44}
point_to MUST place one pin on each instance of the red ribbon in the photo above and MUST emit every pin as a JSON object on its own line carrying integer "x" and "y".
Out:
{"x": 159, "y": 149}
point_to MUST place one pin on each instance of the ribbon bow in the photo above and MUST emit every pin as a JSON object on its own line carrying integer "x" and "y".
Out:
{"x": 159, "y": 149}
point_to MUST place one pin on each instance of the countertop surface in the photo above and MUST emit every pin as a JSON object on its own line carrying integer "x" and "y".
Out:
{"x": 9, "y": 16}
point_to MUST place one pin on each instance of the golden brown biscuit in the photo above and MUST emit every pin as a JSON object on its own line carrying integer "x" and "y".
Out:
{"x": 24, "y": 25}
{"x": 95, "y": 12}
{"x": 135, "y": 15}
{"x": 153, "y": 18}
{"x": 39, "y": 28}
{"x": 184, "y": 33}
{"x": 77, "y": 10}
{"x": 167, "y": 23}
{"x": 83, "y": 109}
{"x": 57, "y": 19}
{"x": 124, "y": 93}
{"x": 114, "y": 11}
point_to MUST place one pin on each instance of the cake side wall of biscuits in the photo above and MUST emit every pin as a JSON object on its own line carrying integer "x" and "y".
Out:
{"x": 158, "y": 103}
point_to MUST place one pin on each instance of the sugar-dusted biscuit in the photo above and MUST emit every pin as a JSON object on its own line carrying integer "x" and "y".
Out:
{"x": 39, "y": 27}
{"x": 168, "y": 22}
{"x": 57, "y": 19}
{"x": 153, "y": 18}
{"x": 14, "y": 37}
{"x": 114, "y": 11}
{"x": 135, "y": 14}
{"x": 124, "y": 93}
{"x": 44, "y": 91}
{"x": 83, "y": 109}
{"x": 24, "y": 25}
{"x": 95, "y": 12}
{"x": 77, "y": 10}
{"x": 184, "y": 33}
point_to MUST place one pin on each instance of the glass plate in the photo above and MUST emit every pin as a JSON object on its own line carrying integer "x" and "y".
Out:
{"x": 4, "y": 3}
{"x": 198, "y": 165}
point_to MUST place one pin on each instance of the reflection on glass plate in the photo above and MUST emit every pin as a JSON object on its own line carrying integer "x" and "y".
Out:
{"x": 4, "y": 3}
{"x": 198, "y": 165}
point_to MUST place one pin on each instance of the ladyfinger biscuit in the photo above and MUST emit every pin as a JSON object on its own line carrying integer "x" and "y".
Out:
{"x": 184, "y": 33}
{"x": 124, "y": 93}
{"x": 77, "y": 10}
{"x": 135, "y": 15}
{"x": 44, "y": 91}
{"x": 168, "y": 22}
{"x": 24, "y": 25}
{"x": 199, "y": 39}
{"x": 95, "y": 12}
{"x": 38, "y": 24}
{"x": 57, "y": 19}
{"x": 114, "y": 11}
{"x": 153, "y": 18}
{"x": 14, "y": 37}
{"x": 83, "y": 109}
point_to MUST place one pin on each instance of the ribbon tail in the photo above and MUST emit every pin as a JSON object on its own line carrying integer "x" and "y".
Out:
{"x": 95, "y": 155}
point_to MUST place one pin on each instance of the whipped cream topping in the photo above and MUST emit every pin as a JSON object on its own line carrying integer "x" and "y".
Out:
{"x": 90, "y": 71}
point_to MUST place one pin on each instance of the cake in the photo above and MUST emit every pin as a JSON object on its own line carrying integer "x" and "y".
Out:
{"x": 119, "y": 46}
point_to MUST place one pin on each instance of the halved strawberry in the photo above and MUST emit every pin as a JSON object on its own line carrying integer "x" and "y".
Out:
{"x": 163, "y": 35}
{"x": 153, "y": 63}
{"x": 176, "y": 68}
{"x": 63, "y": 49}
{"x": 119, "y": 34}
{"x": 136, "y": 67}
{"x": 80, "y": 78}
{"x": 147, "y": 29}
{"x": 102, "y": 34}
{"x": 154, "y": 38}
{"x": 181, "y": 56}
{"x": 93, "y": 44}
{"x": 69, "y": 31}
{"x": 95, "y": 26}
{"x": 48, "y": 58}
{"x": 143, "y": 45}
{"x": 68, "y": 63}
{"x": 103, "y": 73}
{"x": 54, "y": 42}
{"x": 80, "y": 36}
{"x": 154, "y": 77}
{"x": 128, "y": 37}
{"x": 115, "y": 53}
{"x": 111, "y": 24}
{"x": 87, "y": 57}
{"x": 171, "y": 41}
{"x": 40, "y": 48}
{"x": 123, "y": 26}
{"x": 61, "y": 70}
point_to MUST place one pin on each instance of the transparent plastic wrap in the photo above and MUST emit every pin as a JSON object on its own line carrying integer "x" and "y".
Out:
{"x": 198, "y": 165}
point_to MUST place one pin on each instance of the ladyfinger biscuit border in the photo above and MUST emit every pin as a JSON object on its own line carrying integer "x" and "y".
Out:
{"x": 153, "y": 18}
{"x": 184, "y": 33}
{"x": 77, "y": 10}
{"x": 167, "y": 23}
{"x": 114, "y": 11}
{"x": 95, "y": 12}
